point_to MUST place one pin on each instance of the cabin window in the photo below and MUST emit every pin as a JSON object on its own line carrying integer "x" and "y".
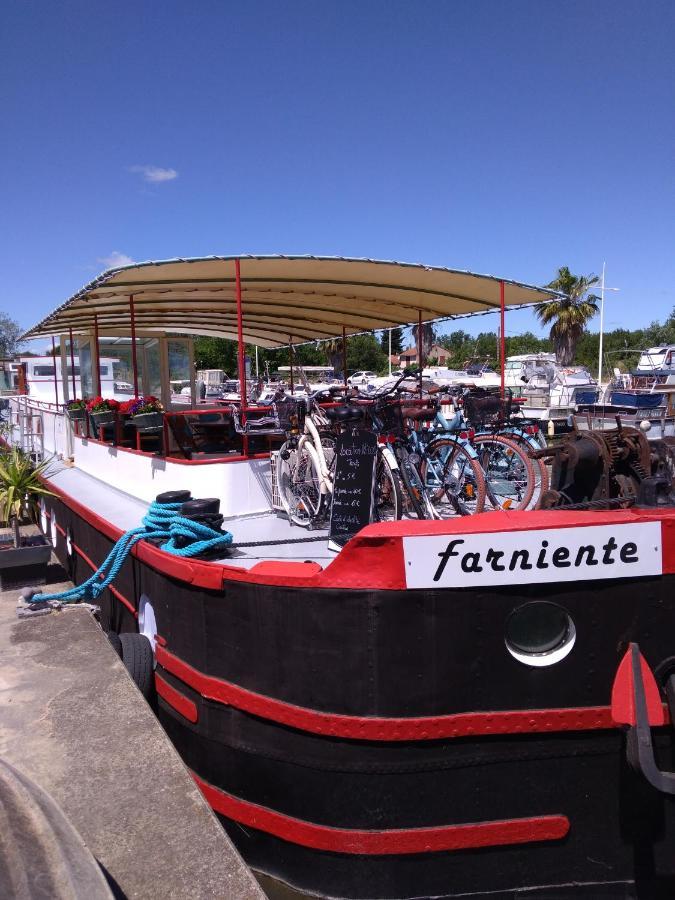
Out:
{"x": 44, "y": 371}
{"x": 539, "y": 633}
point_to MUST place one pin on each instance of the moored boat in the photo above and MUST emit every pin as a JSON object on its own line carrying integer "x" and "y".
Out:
{"x": 428, "y": 711}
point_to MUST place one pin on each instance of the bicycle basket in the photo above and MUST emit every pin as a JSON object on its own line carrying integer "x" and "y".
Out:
{"x": 290, "y": 413}
{"x": 387, "y": 418}
{"x": 487, "y": 409}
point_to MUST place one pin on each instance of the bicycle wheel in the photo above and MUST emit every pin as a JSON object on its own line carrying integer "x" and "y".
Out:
{"x": 415, "y": 500}
{"x": 542, "y": 479}
{"x": 387, "y": 500}
{"x": 299, "y": 485}
{"x": 509, "y": 473}
{"x": 454, "y": 479}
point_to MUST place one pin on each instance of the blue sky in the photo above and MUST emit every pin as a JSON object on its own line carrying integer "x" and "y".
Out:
{"x": 502, "y": 137}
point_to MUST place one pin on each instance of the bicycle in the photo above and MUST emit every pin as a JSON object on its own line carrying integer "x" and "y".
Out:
{"x": 509, "y": 468}
{"x": 306, "y": 463}
{"x": 438, "y": 479}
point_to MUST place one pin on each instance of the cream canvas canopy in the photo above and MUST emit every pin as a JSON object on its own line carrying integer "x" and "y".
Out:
{"x": 284, "y": 299}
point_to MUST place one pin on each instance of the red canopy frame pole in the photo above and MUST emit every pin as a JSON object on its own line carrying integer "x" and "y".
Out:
{"x": 240, "y": 335}
{"x": 72, "y": 362}
{"x": 420, "y": 346}
{"x": 290, "y": 357}
{"x": 96, "y": 360}
{"x": 56, "y": 380}
{"x": 502, "y": 337}
{"x": 134, "y": 357}
{"x": 344, "y": 355}
{"x": 241, "y": 358}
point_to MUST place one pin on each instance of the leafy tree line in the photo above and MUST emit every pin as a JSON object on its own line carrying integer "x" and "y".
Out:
{"x": 366, "y": 352}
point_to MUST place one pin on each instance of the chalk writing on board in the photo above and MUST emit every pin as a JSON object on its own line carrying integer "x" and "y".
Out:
{"x": 352, "y": 499}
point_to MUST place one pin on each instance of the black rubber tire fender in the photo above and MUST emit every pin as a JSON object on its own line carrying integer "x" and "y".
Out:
{"x": 173, "y": 497}
{"x": 115, "y": 642}
{"x": 137, "y": 657}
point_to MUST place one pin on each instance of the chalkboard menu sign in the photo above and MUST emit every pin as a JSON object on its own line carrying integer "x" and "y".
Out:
{"x": 352, "y": 504}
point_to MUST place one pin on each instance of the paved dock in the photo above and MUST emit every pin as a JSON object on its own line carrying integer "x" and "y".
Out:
{"x": 73, "y": 721}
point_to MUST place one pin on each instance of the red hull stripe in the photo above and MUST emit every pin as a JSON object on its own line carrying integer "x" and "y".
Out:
{"x": 395, "y": 841}
{"x": 178, "y": 701}
{"x": 370, "y": 728}
{"x": 373, "y": 560}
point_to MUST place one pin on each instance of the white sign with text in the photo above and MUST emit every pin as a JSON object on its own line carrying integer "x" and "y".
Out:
{"x": 529, "y": 557}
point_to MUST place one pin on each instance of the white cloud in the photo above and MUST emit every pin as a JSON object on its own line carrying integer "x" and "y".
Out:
{"x": 154, "y": 174}
{"x": 115, "y": 259}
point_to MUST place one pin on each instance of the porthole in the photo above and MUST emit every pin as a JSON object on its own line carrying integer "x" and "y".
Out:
{"x": 147, "y": 623}
{"x": 539, "y": 633}
{"x": 54, "y": 532}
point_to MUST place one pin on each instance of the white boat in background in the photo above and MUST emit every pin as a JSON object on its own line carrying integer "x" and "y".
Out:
{"x": 43, "y": 374}
{"x": 643, "y": 397}
{"x": 551, "y": 392}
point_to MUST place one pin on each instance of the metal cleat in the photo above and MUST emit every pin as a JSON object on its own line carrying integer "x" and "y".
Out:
{"x": 636, "y": 702}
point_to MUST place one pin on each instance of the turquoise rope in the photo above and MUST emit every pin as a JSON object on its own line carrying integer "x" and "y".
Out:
{"x": 162, "y": 520}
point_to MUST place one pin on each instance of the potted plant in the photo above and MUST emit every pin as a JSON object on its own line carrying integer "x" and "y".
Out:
{"x": 23, "y": 559}
{"x": 102, "y": 409}
{"x": 147, "y": 413}
{"x": 76, "y": 410}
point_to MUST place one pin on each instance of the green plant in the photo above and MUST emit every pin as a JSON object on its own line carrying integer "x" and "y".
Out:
{"x": 569, "y": 314}
{"x": 20, "y": 488}
{"x": 77, "y": 404}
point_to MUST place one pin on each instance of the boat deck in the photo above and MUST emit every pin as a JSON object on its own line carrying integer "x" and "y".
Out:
{"x": 273, "y": 536}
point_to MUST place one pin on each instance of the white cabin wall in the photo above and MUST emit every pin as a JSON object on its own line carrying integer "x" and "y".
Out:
{"x": 241, "y": 487}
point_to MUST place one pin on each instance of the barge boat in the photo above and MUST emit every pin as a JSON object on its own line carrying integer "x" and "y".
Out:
{"x": 440, "y": 708}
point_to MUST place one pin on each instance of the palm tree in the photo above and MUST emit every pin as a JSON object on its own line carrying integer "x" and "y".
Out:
{"x": 335, "y": 354}
{"x": 569, "y": 314}
{"x": 424, "y": 340}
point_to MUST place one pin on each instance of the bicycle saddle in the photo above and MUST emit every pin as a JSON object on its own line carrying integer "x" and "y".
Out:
{"x": 420, "y": 414}
{"x": 344, "y": 413}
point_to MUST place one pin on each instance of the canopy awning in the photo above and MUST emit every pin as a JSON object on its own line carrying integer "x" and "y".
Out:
{"x": 284, "y": 298}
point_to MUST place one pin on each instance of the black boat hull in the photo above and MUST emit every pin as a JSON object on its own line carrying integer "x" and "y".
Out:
{"x": 383, "y": 743}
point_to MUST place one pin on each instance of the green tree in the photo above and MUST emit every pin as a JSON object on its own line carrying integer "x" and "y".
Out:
{"x": 216, "y": 353}
{"x": 10, "y": 332}
{"x": 364, "y": 352}
{"x": 569, "y": 315}
{"x": 396, "y": 341}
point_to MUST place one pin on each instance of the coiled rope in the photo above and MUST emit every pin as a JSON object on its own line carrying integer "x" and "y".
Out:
{"x": 183, "y": 537}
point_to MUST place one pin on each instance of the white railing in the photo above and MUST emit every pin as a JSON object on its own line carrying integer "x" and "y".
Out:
{"x": 40, "y": 427}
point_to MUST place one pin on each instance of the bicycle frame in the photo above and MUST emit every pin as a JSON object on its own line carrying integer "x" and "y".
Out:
{"x": 310, "y": 440}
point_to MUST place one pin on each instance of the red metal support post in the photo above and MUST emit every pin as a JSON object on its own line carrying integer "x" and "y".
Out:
{"x": 240, "y": 351}
{"x": 56, "y": 380}
{"x": 344, "y": 355}
{"x": 240, "y": 335}
{"x": 502, "y": 338}
{"x": 72, "y": 363}
{"x": 96, "y": 361}
{"x": 134, "y": 357}
{"x": 420, "y": 348}
{"x": 290, "y": 357}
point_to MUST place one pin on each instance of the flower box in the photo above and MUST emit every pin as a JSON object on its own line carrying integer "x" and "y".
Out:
{"x": 24, "y": 566}
{"x": 150, "y": 421}
{"x": 77, "y": 414}
{"x": 103, "y": 416}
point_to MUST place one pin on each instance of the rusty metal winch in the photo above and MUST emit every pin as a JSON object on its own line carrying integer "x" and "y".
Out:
{"x": 609, "y": 469}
